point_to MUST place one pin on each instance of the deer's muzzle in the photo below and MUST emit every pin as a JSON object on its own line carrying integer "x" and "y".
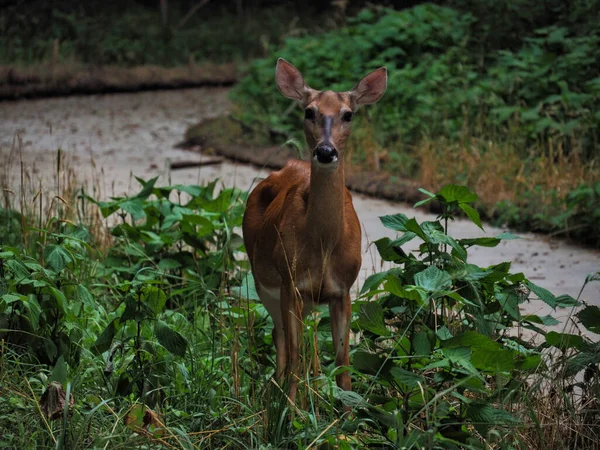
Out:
{"x": 325, "y": 153}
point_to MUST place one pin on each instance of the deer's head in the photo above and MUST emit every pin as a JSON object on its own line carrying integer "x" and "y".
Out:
{"x": 328, "y": 114}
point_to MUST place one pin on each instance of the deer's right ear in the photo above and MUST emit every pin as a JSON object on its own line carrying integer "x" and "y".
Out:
{"x": 290, "y": 82}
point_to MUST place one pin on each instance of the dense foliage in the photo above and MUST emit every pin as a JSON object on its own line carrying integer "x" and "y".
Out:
{"x": 161, "y": 342}
{"x": 135, "y": 33}
{"x": 457, "y": 77}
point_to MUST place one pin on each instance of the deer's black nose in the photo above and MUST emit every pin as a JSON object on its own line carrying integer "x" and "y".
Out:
{"x": 325, "y": 153}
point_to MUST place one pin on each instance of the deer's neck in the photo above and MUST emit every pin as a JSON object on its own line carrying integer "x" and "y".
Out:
{"x": 325, "y": 214}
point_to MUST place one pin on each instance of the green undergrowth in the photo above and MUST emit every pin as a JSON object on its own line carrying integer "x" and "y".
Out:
{"x": 159, "y": 339}
{"x": 510, "y": 110}
{"x": 135, "y": 33}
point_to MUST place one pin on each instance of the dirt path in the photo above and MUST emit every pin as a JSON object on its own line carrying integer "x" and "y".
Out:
{"x": 110, "y": 137}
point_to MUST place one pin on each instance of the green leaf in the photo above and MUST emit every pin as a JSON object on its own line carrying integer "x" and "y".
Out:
{"x": 247, "y": 289}
{"x": 170, "y": 339}
{"x": 544, "y": 320}
{"x": 34, "y": 310}
{"x": 455, "y": 193}
{"x": 57, "y": 257}
{"x": 104, "y": 341}
{"x": 373, "y": 281}
{"x": 471, "y": 214}
{"x": 135, "y": 207}
{"x": 413, "y": 226}
{"x": 202, "y": 226}
{"x": 84, "y": 296}
{"x": 59, "y": 372}
{"x": 590, "y": 318}
{"x": 370, "y": 363}
{"x": 60, "y": 298}
{"x": 394, "y": 286}
{"x": 564, "y": 341}
{"x": 395, "y": 222}
{"x": 543, "y": 294}
{"x": 405, "y": 378}
{"x": 168, "y": 264}
{"x": 390, "y": 250}
{"x": 155, "y": 298}
{"x": 486, "y": 354}
{"x": 370, "y": 317}
{"x": 433, "y": 279}
{"x": 421, "y": 344}
{"x": 484, "y": 413}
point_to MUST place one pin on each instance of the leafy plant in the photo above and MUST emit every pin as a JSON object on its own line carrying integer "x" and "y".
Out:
{"x": 442, "y": 365}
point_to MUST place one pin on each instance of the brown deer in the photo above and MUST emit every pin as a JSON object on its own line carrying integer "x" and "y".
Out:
{"x": 300, "y": 229}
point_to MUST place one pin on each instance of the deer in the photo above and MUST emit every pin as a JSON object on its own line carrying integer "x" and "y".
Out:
{"x": 300, "y": 229}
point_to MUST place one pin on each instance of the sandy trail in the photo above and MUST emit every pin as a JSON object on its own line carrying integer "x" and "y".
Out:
{"x": 111, "y": 137}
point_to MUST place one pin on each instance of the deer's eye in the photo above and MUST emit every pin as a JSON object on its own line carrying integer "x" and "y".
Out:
{"x": 309, "y": 114}
{"x": 347, "y": 117}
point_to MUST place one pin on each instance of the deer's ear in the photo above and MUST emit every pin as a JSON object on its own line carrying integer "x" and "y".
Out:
{"x": 370, "y": 89}
{"x": 290, "y": 82}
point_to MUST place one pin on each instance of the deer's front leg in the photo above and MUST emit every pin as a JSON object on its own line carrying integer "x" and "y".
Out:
{"x": 291, "y": 308}
{"x": 340, "y": 311}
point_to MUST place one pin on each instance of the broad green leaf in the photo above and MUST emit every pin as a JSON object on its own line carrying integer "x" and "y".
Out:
{"x": 564, "y": 341}
{"x": 509, "y": 302}
{"x": 170, "y": 339}
{"x": 59, "y": 372}
{"x": 433, "y": 279}
{"x": 543, "y": 294}
{"x": 168, "y": 264}
{"x": 60, "y": 298}
{"x": 421, "y": 344}
{"x": 370, "y": 317}
{"x": 590, "y": 318}
{"x": 443, "y": 333}
{"x": 481, "y": 242}
{"x": 147, "y": 188}
{"x": 531, "y": 362}
{"x": 57, "y": 257}
{"x": 544, "y": 320}
{"x": 455, "y": 193}
{"x": 247, "y": 289}
{"x": 350, "y": 398}
{"x": 373, "y": 281}
{"x": 413, "y": 226}
{"x": 370, "y": 363}
{"x": 484, "y": 413}
{"x": 486, "y": 354}
{"x": 406, "y": 378}
{"x": 202, "y": 225}
{"x": 471, "y": 214}
{"x": 395, "y": 222}
{"x": 394, "y": 286}
{"x": 135, "y": 207}
{"x": 566, "y": 301}
{"x": 392, "y": 250}
{"x": 104, "y": 341}
{"x": 155, "y": 298}
{"x": 84, "y": 296}
{"x": 11, "y": 298}
{"x": 34, "y": 310}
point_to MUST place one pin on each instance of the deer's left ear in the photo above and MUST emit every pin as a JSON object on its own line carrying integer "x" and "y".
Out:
{"x": 370, "y": 89}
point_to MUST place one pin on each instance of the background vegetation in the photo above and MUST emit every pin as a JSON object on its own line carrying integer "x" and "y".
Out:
{"x": 501, "y": 96}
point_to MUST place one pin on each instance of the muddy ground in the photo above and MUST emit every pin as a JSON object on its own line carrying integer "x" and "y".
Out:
{"x": 109, "y": 138}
